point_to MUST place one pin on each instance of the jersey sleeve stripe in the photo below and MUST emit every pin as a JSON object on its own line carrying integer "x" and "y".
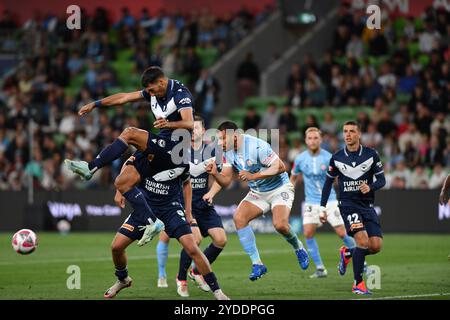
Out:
{"x": 184, "y": 108}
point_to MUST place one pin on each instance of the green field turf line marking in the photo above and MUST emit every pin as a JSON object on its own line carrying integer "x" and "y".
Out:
{"x": 409, "y": 296}
{"x": 173, "y": 255}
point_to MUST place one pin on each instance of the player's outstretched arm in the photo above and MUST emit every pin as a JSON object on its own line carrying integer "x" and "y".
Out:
{"x": 112, "y": 100}
{"x": 443, "y": 196}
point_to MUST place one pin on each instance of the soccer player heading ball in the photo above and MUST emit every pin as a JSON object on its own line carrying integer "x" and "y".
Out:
{"x": 355, "y": 166}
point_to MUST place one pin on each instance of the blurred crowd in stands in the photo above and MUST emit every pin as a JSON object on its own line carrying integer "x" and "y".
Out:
{"x": 60, "y": 70}
{"x": 400, "y": 71}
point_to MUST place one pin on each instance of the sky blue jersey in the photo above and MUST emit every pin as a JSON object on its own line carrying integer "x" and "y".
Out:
{"x": 314, "y": 170}
{"x": 255, "y": 155}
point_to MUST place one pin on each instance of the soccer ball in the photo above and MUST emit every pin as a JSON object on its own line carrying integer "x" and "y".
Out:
{"x": 24, "y": 241}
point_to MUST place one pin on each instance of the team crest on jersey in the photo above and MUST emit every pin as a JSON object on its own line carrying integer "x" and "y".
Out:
{"x": 161, "y": 143}
{"x": 364, "y": 167}
{"x": 185, "y": 101}
{"x": 150, "y": 157}
{"x": 323, "y": 167}
{"x": 249, "y": 163}
{"x": 285, "y": 196}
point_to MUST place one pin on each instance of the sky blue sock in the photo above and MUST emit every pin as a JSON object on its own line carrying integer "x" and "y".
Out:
{"x": 293, "y": 240}
{"x": 108, "y": 155}
{"x": 248, "y": 242}
{"x": 349, "y": 241}
{"x": 313, "y": 250}
{"x": 162, "y": 252}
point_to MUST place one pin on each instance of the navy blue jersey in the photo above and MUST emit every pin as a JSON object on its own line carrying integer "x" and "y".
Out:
{"x": 177, "y": 97}
{"x": 199, "y": 176}
{"x": 352, "y": 170}
{"x": 161, "y": 180}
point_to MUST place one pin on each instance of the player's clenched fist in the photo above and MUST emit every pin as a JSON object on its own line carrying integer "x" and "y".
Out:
{"x": 323, "y": 214}
{"x": 245, "y": 175}
{"x": 211, "y": 168}
{"x": 364, "y": 188}
{"x": 161, "y": 123}
{"x": 208, "y": 197}
{"x": 86, "y": 109}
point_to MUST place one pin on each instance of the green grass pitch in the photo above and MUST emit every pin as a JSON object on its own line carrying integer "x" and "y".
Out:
{"x": 413, "y": 266}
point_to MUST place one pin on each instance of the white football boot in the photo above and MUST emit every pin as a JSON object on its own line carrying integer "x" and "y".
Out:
{"x": 162, "y": 283}
{"x": 116, "y": 287}
{"x": 199, "y": 281}
{"x": 182, "y": 288}
{"x": 219, "y": 295}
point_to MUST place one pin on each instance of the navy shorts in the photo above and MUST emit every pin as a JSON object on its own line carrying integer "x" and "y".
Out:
{"x": 172, "y": 216}
{"x": 207, "y": 218}
{"x": 160, "y": 150}
{"x": 359, "y": 219}
{"x": 133, "y": 226}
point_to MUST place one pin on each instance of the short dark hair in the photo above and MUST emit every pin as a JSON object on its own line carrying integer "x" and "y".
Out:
{"x": 150, "y": 75}
{"x": 198, "y": 117}
{"x": 227, "y": 125}
{"x": 353, "y": 123}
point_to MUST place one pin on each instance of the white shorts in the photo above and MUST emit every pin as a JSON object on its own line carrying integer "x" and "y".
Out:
{"x": 311, "y": 214}
{"x": 283, "y": 195}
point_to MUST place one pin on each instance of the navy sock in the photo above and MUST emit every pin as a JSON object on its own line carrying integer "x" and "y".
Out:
{"x": 139, "y": 204}
{"x": 211, "y": 253}
{"x": 185, "y": 262}
{"x": 108, "y": 155}
{"x": 211, "y": 280}
{"x": 349, "y": 252}
{"x": 121, "y": 273}
{"x": 359, "y": 256}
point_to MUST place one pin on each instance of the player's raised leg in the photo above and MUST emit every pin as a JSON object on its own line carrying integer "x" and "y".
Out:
{"x": 126, "y": 183}
{"x": 280, "y": 217}
{"x": 118, "y": 246}
{"x": 245, "y": 213}
{"x": 134, "y": 136}
{"x": 162, "y": 253}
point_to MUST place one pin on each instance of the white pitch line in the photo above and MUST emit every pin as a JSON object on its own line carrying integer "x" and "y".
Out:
{"x": 173, "y": 255}
{"x": 409, "y": 296}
